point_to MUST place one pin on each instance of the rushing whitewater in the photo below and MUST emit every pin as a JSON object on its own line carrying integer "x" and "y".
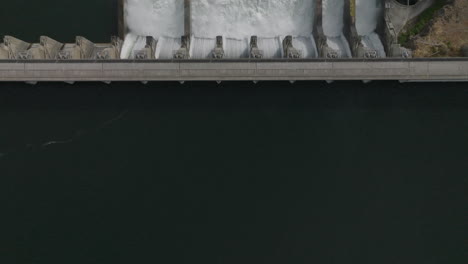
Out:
{"x": 270, "y": 20}
{"x": 367, "y": 14}
{"x": 244, "y": 18}
{"x": 238, "y": 20}
{"x": 155, "y": 17}
{"x": 332, "y": 20}
{"x": 235, "y": 20}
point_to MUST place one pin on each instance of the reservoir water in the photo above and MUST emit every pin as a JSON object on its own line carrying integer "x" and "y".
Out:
{"x": 235, "y": 172}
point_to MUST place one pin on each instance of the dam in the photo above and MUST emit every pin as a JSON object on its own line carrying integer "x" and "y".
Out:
{"x": 188, "y": 40}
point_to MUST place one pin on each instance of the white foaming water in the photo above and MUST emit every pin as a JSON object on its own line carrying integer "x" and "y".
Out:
{"x": 341, "y": 45}
{"x": 367, "y": 14}
{"x": 332, "y": 20}
{"x": 128, "y": 45}
{"x": 236, "y": 48}
{"x": 332, "y": 17}
{"x": 244, "y": 18}
{"x": 152, "y": 18}
{"x": 155, "y": 17}
{"x": 202, "y": 48}
{"x": 166, "y": 47}
{"x": 237, "y": 20}
{"x": 132, "y": 44}
{"x": 271, "y": 47}
{"x": 372, "y": 41}
{"x": 306, "y": 45}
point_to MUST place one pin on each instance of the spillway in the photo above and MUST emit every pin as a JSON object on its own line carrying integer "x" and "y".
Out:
{"x": 333, "y": 24}
{"x": 238, "y": 20}
{"x": 244, "y": 18}
{"x": 271, "y": 47}
{"x": 236, "y": 29}
{"x": 368, "y": 12}
{"x": 236, "y": 48}
{"x": 202, "y": 48}
{"x": 226, "y": 40}
{"x": 132, "y": 44}
{"x": 166, "y": 47}
{"x": 235, "y": 20}
{"x": 306, "y": 44}
{"x": 155, "y": 17}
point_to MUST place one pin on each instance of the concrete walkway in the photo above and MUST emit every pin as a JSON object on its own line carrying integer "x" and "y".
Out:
{"x": 416, "y": 70}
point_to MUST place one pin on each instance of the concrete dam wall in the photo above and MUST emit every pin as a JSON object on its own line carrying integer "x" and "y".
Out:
{"x": 233, "y": 40}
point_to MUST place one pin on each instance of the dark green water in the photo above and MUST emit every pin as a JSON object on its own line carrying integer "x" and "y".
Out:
{"x": 59, "y": 19}
{"x": 229, "y": 173}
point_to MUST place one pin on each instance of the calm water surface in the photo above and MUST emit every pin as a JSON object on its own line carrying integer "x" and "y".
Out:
{"x": 229, "y": 173}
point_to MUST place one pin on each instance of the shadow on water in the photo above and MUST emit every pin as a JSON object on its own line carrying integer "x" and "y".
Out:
{"x": 232, "y": 173}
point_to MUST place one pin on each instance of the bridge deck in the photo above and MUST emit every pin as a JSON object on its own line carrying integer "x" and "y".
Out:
{"x": 288, "y": 70}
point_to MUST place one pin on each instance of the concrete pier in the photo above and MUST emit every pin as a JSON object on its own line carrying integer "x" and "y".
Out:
{"x": 187, "y": 18}
{"x": 13, "y": 47}
{"x": 241, "y": 70}
{"x": 184, "y": 51}
{"x": 50, "y": 49}
{"x": 319, "y": 35}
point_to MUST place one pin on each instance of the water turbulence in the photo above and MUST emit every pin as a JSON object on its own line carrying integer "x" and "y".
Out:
{"x": 132, "y": 44}
{"x": 271, "y": 47}
{"x": 306, "y": 44}
{"x": 238, "y": 20}
{"x": 368, "y": 13}
{"x": 158, "y": 18}
{"x": 202, "y": 48}
{"x": 236, "y": 48}
{"x": 333, "y": 24}
{"x": 235, "y": 20}
{"x": 166, "y": 47}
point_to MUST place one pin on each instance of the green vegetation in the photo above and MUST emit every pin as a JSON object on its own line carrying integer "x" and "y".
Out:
{"x": 423, "y": 19}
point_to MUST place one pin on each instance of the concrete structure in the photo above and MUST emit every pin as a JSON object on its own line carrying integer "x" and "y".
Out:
{"x": 255, "y": 52}
{"x": 396, "y": 16}
{"x": 387, "y": 29}
{"x": 85, "y": 49}
{"x": 48, "y": 48}
{"x": 51, "y": 60}
{"x": 324, "y": 50}
{"x": 241, "y": 70}
{"x": 288, "y": 49}
{"x": 149, "y": 51}
{"x": 184, "y": 51}
{"x": 12, "y": 47}
{"x": 399, "y": 15}
{"x": 355, "y": 41}
{"x": 218, "y": 52}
